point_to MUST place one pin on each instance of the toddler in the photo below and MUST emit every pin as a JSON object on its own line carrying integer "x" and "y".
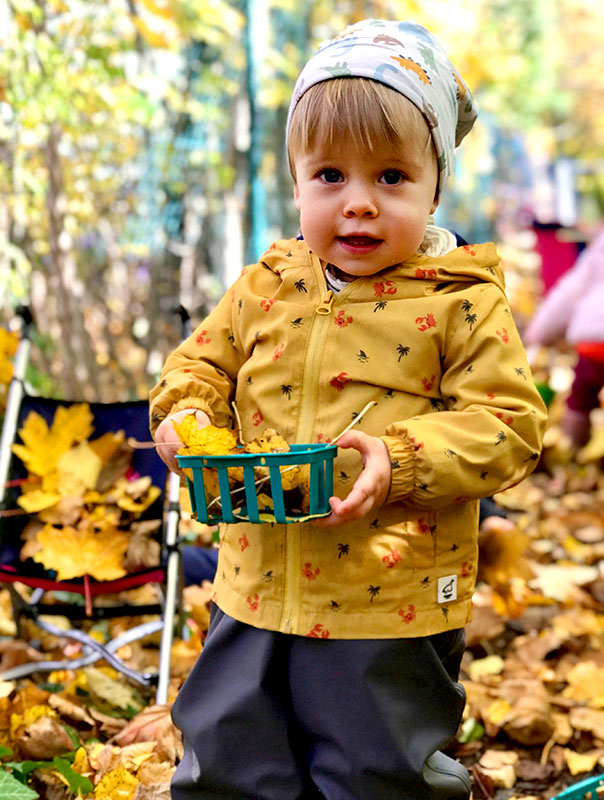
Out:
{"x": 331, "y": 663}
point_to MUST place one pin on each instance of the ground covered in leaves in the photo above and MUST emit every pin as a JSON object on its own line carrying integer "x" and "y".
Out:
{"x": 533, "y": 669}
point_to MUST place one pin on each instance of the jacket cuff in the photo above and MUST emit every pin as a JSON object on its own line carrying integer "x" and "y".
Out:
{"x": 404, "y": 463}
{"x": 191, "y": 402}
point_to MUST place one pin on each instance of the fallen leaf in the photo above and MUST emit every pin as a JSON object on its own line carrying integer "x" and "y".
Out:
{"x": 559, "y": 580}
{"x": 586, "y": 684}
{"x": 73, "y": 553}
{"x": 116, "y": 692}
{"x": 582, "y": 762}
{"x": 490, "y": 665}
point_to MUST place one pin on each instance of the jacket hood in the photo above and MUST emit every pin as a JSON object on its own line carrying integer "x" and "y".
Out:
{"x": 470, "y": 263}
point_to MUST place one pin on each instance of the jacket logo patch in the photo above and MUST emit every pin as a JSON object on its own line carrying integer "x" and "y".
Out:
{"x": 447, "y": 589}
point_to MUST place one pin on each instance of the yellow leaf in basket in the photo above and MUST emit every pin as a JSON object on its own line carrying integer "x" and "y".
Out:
{"x": 208, "y": 441}
{"x": 269, "y": 442}
{"x": 74, "y": 553}
{"x": 35, "y": 501}
{"x": 80, "y": 462}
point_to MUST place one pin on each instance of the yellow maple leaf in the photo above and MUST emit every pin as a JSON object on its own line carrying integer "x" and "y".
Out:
{"x": 81, "y": 463}
{"x": 38, "y": 500}
{"x": 208, "y": 441}
{"x": 117, "y": 784}
{"x": 107, "y": 445}
{"x": 42, "y": 446}
{"x": 74, "y": 553}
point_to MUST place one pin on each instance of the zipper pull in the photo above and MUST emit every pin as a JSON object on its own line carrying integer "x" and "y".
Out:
{"x": 324, "y": 307}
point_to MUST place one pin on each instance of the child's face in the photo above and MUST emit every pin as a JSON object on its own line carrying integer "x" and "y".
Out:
{"x": 363, "y": 210}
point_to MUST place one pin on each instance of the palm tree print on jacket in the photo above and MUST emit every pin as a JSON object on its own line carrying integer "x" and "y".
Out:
{"x": 402, "y": 350}
{"x": 373, "y": 592}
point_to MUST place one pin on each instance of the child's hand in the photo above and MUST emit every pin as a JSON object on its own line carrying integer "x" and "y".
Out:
{"x": 371, "y": 487}
{"x": 167, "y": 440}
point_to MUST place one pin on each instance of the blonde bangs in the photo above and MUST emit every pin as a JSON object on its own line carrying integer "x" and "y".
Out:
{"x": 356, "y": 110}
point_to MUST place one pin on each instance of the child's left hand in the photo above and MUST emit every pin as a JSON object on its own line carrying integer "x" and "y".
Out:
{"x": 371, "y": 487}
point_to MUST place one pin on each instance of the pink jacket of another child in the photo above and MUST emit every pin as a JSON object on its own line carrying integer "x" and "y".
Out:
{"x": 574, "y": 308}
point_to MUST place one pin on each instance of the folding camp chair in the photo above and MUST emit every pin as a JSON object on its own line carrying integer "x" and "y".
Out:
{"x": 132, "y": 418}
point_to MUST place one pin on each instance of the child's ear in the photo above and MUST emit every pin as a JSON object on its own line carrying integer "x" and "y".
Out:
{"x": 297, "y": 196}
{"x": 434, "y": 205}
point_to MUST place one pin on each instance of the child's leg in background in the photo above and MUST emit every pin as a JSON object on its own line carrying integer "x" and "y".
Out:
{"x": 589, "y": 379}
{"x": 262, "y": 713}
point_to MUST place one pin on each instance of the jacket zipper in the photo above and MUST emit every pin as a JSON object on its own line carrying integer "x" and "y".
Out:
{"x": 308, "y": 407}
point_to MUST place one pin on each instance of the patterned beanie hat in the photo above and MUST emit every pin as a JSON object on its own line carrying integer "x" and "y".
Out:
{"x": 408, "y": 58}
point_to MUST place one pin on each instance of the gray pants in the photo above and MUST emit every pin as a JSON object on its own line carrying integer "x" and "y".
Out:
{"x": 270, "y": 716}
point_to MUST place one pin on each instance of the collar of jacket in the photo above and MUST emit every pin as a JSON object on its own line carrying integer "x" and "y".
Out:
{"x": 469, "y": 263}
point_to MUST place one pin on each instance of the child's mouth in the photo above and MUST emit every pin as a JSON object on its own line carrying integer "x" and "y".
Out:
{"x": 359, "y": 244}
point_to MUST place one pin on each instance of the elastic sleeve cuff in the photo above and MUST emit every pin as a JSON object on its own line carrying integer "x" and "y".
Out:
{"x": 404, "y": 463}
{"x": 191, "y": 402}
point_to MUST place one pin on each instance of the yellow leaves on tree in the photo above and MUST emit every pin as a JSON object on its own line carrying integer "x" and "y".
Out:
{"x": 74, "y": 553}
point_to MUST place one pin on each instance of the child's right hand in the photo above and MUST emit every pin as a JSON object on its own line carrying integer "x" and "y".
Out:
{"x": 167, "y": 440}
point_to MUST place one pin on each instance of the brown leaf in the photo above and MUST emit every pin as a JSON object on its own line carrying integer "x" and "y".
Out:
{"x": 588, "y": 719}
{"x": 144, "y": 726}
{"x": 115, "y": 469}
{"x": 158, "y": 791}
{"x": 486, "y": 625}
{"x": 14, "y": 652}
{"x": 43, "y": 739}
{"x": 109, "y": 726}
{"x": 73, "y": 712}
{"x": 143, "y": 551}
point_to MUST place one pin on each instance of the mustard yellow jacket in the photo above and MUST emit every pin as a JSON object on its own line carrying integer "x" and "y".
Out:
{"x": 434, "y": 343}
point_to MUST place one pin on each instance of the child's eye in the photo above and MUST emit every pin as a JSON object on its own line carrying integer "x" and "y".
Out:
{"x": 392, "y": 177}
{"x": 330, "y": 175}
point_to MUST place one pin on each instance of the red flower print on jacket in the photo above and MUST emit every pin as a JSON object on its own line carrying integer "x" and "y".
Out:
{"x": 341, "y": 320}
{"x": 318, "y": 632}
{"x": 257, "y": 418}
{"x": 423, "y": 323}
{"x": 508, "y": 420}
{"x": 253, "y": 603}
{"x": 243, "y": 542}
{"x": 392, "y": 558}
{"x": 310, "y": 573}
{"x": 201, "y": 338}
{"x": 469, "y": 249}
{"x": 278, "y": 352}
{"x": 384, "y": 287}
{"x": 425, "y": 273}
{"x": 408, "y": 615}
{"x": 423, "y": 527}
{"x": 267, "y": 303}
{"x": 466, "y": 569}
{"x": 340, "y": 381}
{"x": 503, "y": 335}
{"x": 322, "y": 438}
{"x": 428, "y": 383}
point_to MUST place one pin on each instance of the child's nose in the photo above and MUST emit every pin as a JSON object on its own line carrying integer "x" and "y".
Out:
{"x": 360, "y": 203}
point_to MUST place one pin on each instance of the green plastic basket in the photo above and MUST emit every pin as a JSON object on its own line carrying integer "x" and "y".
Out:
{"x": 243, "y": 504}
{"x": 589, "y": 789}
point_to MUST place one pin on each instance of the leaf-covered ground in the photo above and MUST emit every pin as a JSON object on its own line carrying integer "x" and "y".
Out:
{"x": 533, "y": 669}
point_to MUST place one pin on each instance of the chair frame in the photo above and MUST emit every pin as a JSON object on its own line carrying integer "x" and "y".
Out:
{"x": 169, "y": 572}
